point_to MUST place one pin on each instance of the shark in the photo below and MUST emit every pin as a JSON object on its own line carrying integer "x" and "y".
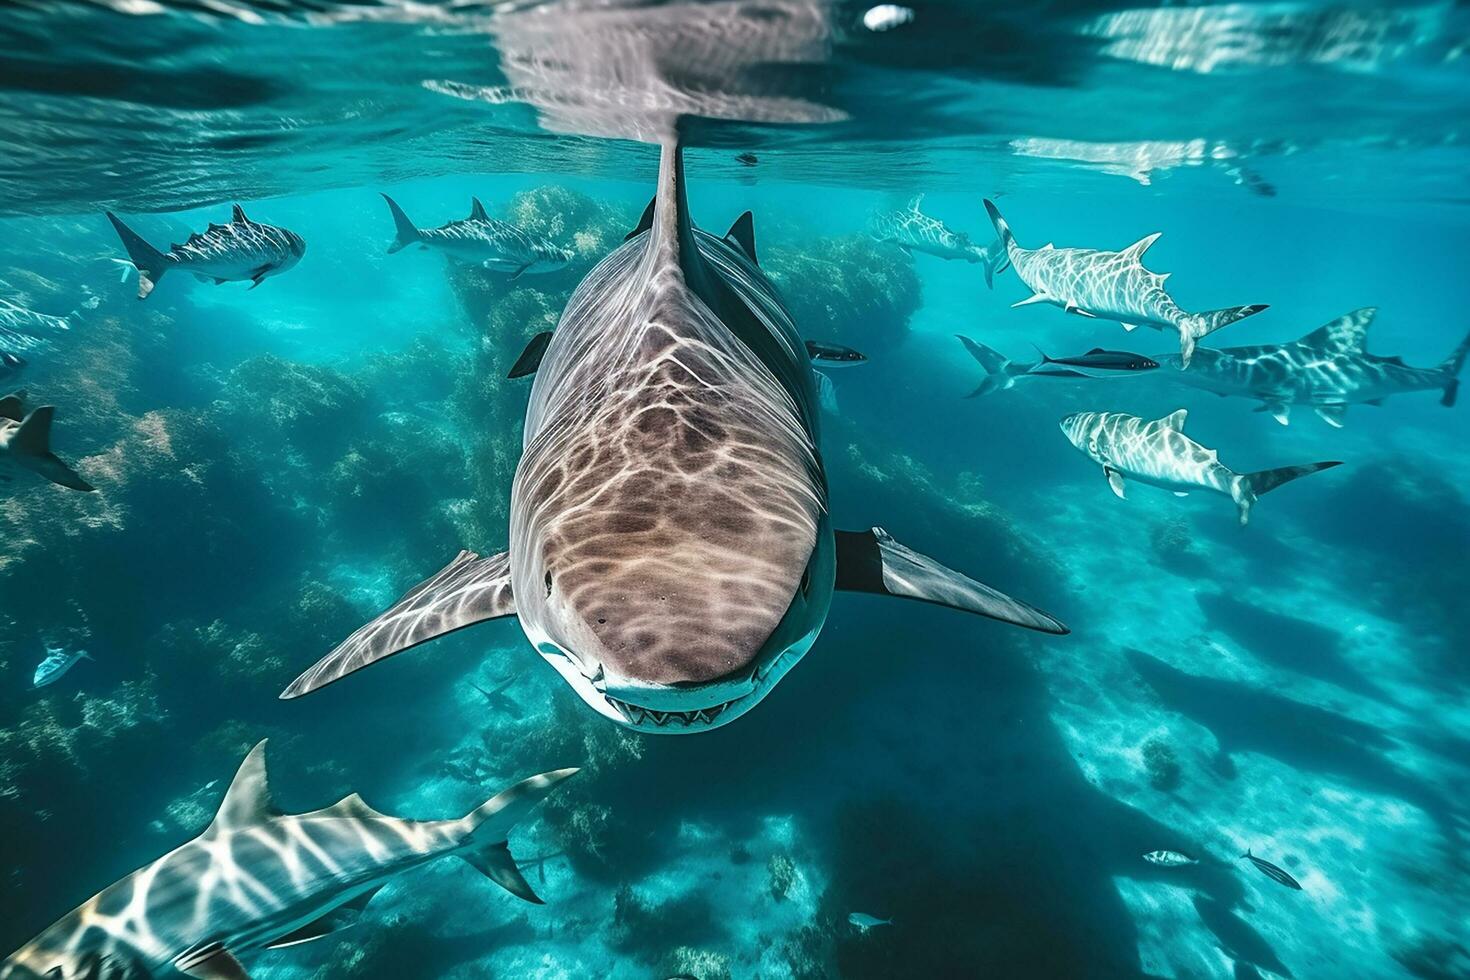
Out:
{"x": 1001, "y": 373}
{"x": 482, "y": 240}
{"x": 1110, "y": 286}
{"x": 25, "y": 445}
{"x": 1157, "y": 452}
{"x": 238, "y": 251}
{"x": 18, "y": 321}
{"x": 914, "y": 231}
{"x": 258, "y": 878}
{"x": 671, "y": 550}
{"x": 1328, "y": 370}
{"x": 498, "y": 700}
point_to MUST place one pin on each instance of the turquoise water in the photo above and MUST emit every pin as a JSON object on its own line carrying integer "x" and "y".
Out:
{"x": 275, "y": 465}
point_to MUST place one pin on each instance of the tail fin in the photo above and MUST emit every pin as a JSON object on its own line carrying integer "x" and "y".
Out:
{"x": 1000, "y": 373}
{"x": 1451, "y": 367}
{"x": 489, "y": 824}
{"x": 1002, "y": 230}
{"x": 31, "y": 447}
{"x": 994, "y": 259}
{"x": 1245, "y": 488}
{"x": 405, "y": 231}
{"x": 1198, "y": 325}
{"x": 149, "y": 261}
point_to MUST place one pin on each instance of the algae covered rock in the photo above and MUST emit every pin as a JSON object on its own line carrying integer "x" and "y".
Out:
{"x": 848, "y": 290}
{"x": 1161, "y": 764}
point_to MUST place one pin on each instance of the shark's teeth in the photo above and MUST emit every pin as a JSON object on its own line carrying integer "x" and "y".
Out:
{"x": 665, "y": 719}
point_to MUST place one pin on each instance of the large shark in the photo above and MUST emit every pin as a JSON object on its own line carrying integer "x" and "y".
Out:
{"x": 25, "y": 445}
{"x": 235, "y": 252}
{"x": 1157, "y": 452}
{"x": 1327, "y": 369}
{"x": 914, "y": 231}
{"x": 497, "y": 245}
{"x": 671, "y": 552}
{"x": 1110, "y": 286}
{"x": 258, "y": 878}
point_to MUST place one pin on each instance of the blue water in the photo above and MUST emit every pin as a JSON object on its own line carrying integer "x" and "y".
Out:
{"x": 275, "y": 465}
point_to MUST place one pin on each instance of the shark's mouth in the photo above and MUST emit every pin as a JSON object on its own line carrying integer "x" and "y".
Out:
{"x": 704, "y": 717}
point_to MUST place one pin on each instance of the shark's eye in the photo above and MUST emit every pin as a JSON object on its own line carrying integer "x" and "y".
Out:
{"x": 548, "y": 585}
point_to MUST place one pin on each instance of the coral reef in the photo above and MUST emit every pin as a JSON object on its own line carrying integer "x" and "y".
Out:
{"x": 780, "y": 874}
{"x": 848, "y": 290}
{"x": 1161, "y": 764}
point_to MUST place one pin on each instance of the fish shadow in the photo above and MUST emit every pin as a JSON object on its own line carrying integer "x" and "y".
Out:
{"x": 1297, "y": 645}
{"x": 1236, "y": 937}
{"x": 1245, "y": 718}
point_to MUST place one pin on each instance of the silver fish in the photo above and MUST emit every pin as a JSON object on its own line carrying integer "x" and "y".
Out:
{"x": 1328, "y": 370}
{"x": 1169, "y": 859}
{"x": 671, "y": 551}
{"x": 1158, "y": 453}
{"x": 58, "y": 661}
{"x": 1110, "y": 286}
{"x": 258, "y": 878}
{"x": 497, "y": 245}
{"x": 235, "y": 252}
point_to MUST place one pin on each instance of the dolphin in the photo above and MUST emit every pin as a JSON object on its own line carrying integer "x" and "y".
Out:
{"x": 1110, "y": 286}
{"x": 25, "y": 445}
{"x": 233, "y": 252}
{"x": 480, "y": 239}
{"x": 671, "y": 552}
{"x": 1327, "y": 369}
{"x": 1001, "y": 373}
{"x": 1158, "y": 453}
{"x": 914, "y": 231}
{"x": 258, "y": 878}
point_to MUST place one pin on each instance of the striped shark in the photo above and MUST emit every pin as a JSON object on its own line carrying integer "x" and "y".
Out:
{"x": 258, "y": 878}
{"x": 18, "y": 322}
{"x": 1158, "y": 453}
{"x": 1110, "y": 286}
{"x": 235, "y": 252}
{"x": 1328, "y": 369}
{"x": 1001, "y": 373}
{"x": 25, "y": 445}
{"x": 914, "y": 231}
{"x": 482, "y": 240}
{"x": 671, "y": 548}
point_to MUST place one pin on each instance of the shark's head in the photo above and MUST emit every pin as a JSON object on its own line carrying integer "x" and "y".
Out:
{"x": 1085, "y": 431}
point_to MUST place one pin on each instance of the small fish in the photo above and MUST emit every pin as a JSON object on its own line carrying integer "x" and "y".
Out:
{"x": 234, "y": 252}
{"x": 833, "y": 355}
{"x": 1169, "y": 859}
{"x": 1271, "y": 871}
{"x": 749, "y": 159}
{"x": 11, "y": 366}
{"x": 1002, "y": 373}
{"x": 57, "y": 663}
{"x": 863, "y": 921}
{"x": 497, "y": 245}
{"x": 1100, "y": 359}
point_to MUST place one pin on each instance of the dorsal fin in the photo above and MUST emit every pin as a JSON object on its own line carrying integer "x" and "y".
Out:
{"x": 1347, "y": 333}
{"x": 351, "y": 805}
{"x": 742, "y": 235}
{"x": 239, "y": 215}
{"x": 1136, "y": 250}
{"x": 248, "y": 800}
{"x": 1175, "y": 420}
{"x": 477, "y": 210}
{"x": 915, "y": 202}
{"x": 12, "y": 407}
{"x": 645, "y": 222}
{"x": 1095, "y": 350}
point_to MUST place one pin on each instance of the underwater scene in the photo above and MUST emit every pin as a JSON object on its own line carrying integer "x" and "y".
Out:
{"x": 733, "y": 489}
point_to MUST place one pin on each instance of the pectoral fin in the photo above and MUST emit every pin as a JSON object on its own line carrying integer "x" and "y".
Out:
{"x": 1079, "y": 311}
{"x": 530, "y": 358}
{"x": 495, "y": 863}
{"x": 1033, "y": 298}
{"x": 873, "y": 561}
{"x": 520, "y": 271}
{"x": 1332, "y": 414}
{"x": 1130, "y": 327}
{"x": 467, "y": 591}
{"x": 1115, "y": 480}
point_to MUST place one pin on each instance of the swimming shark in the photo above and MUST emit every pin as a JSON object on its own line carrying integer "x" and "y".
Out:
{"x": 25, "y": 445}
{"x": 1157, "y": 452}
{"x": 235, "y": 252}
{"x": 16, "y": 319}
{"x": 1327, "y": 369}
{"x": 1001, "y": 373}
{"x": 914, "y": 231}
{"x": 480, "y": 239}
{"x": 1110, "y": 286}
{"x": 258, "y": 878}
{"x": 671, "y": 548}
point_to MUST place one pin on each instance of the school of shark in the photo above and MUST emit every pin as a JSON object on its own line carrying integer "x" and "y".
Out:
{"x": 670, "y": 545}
